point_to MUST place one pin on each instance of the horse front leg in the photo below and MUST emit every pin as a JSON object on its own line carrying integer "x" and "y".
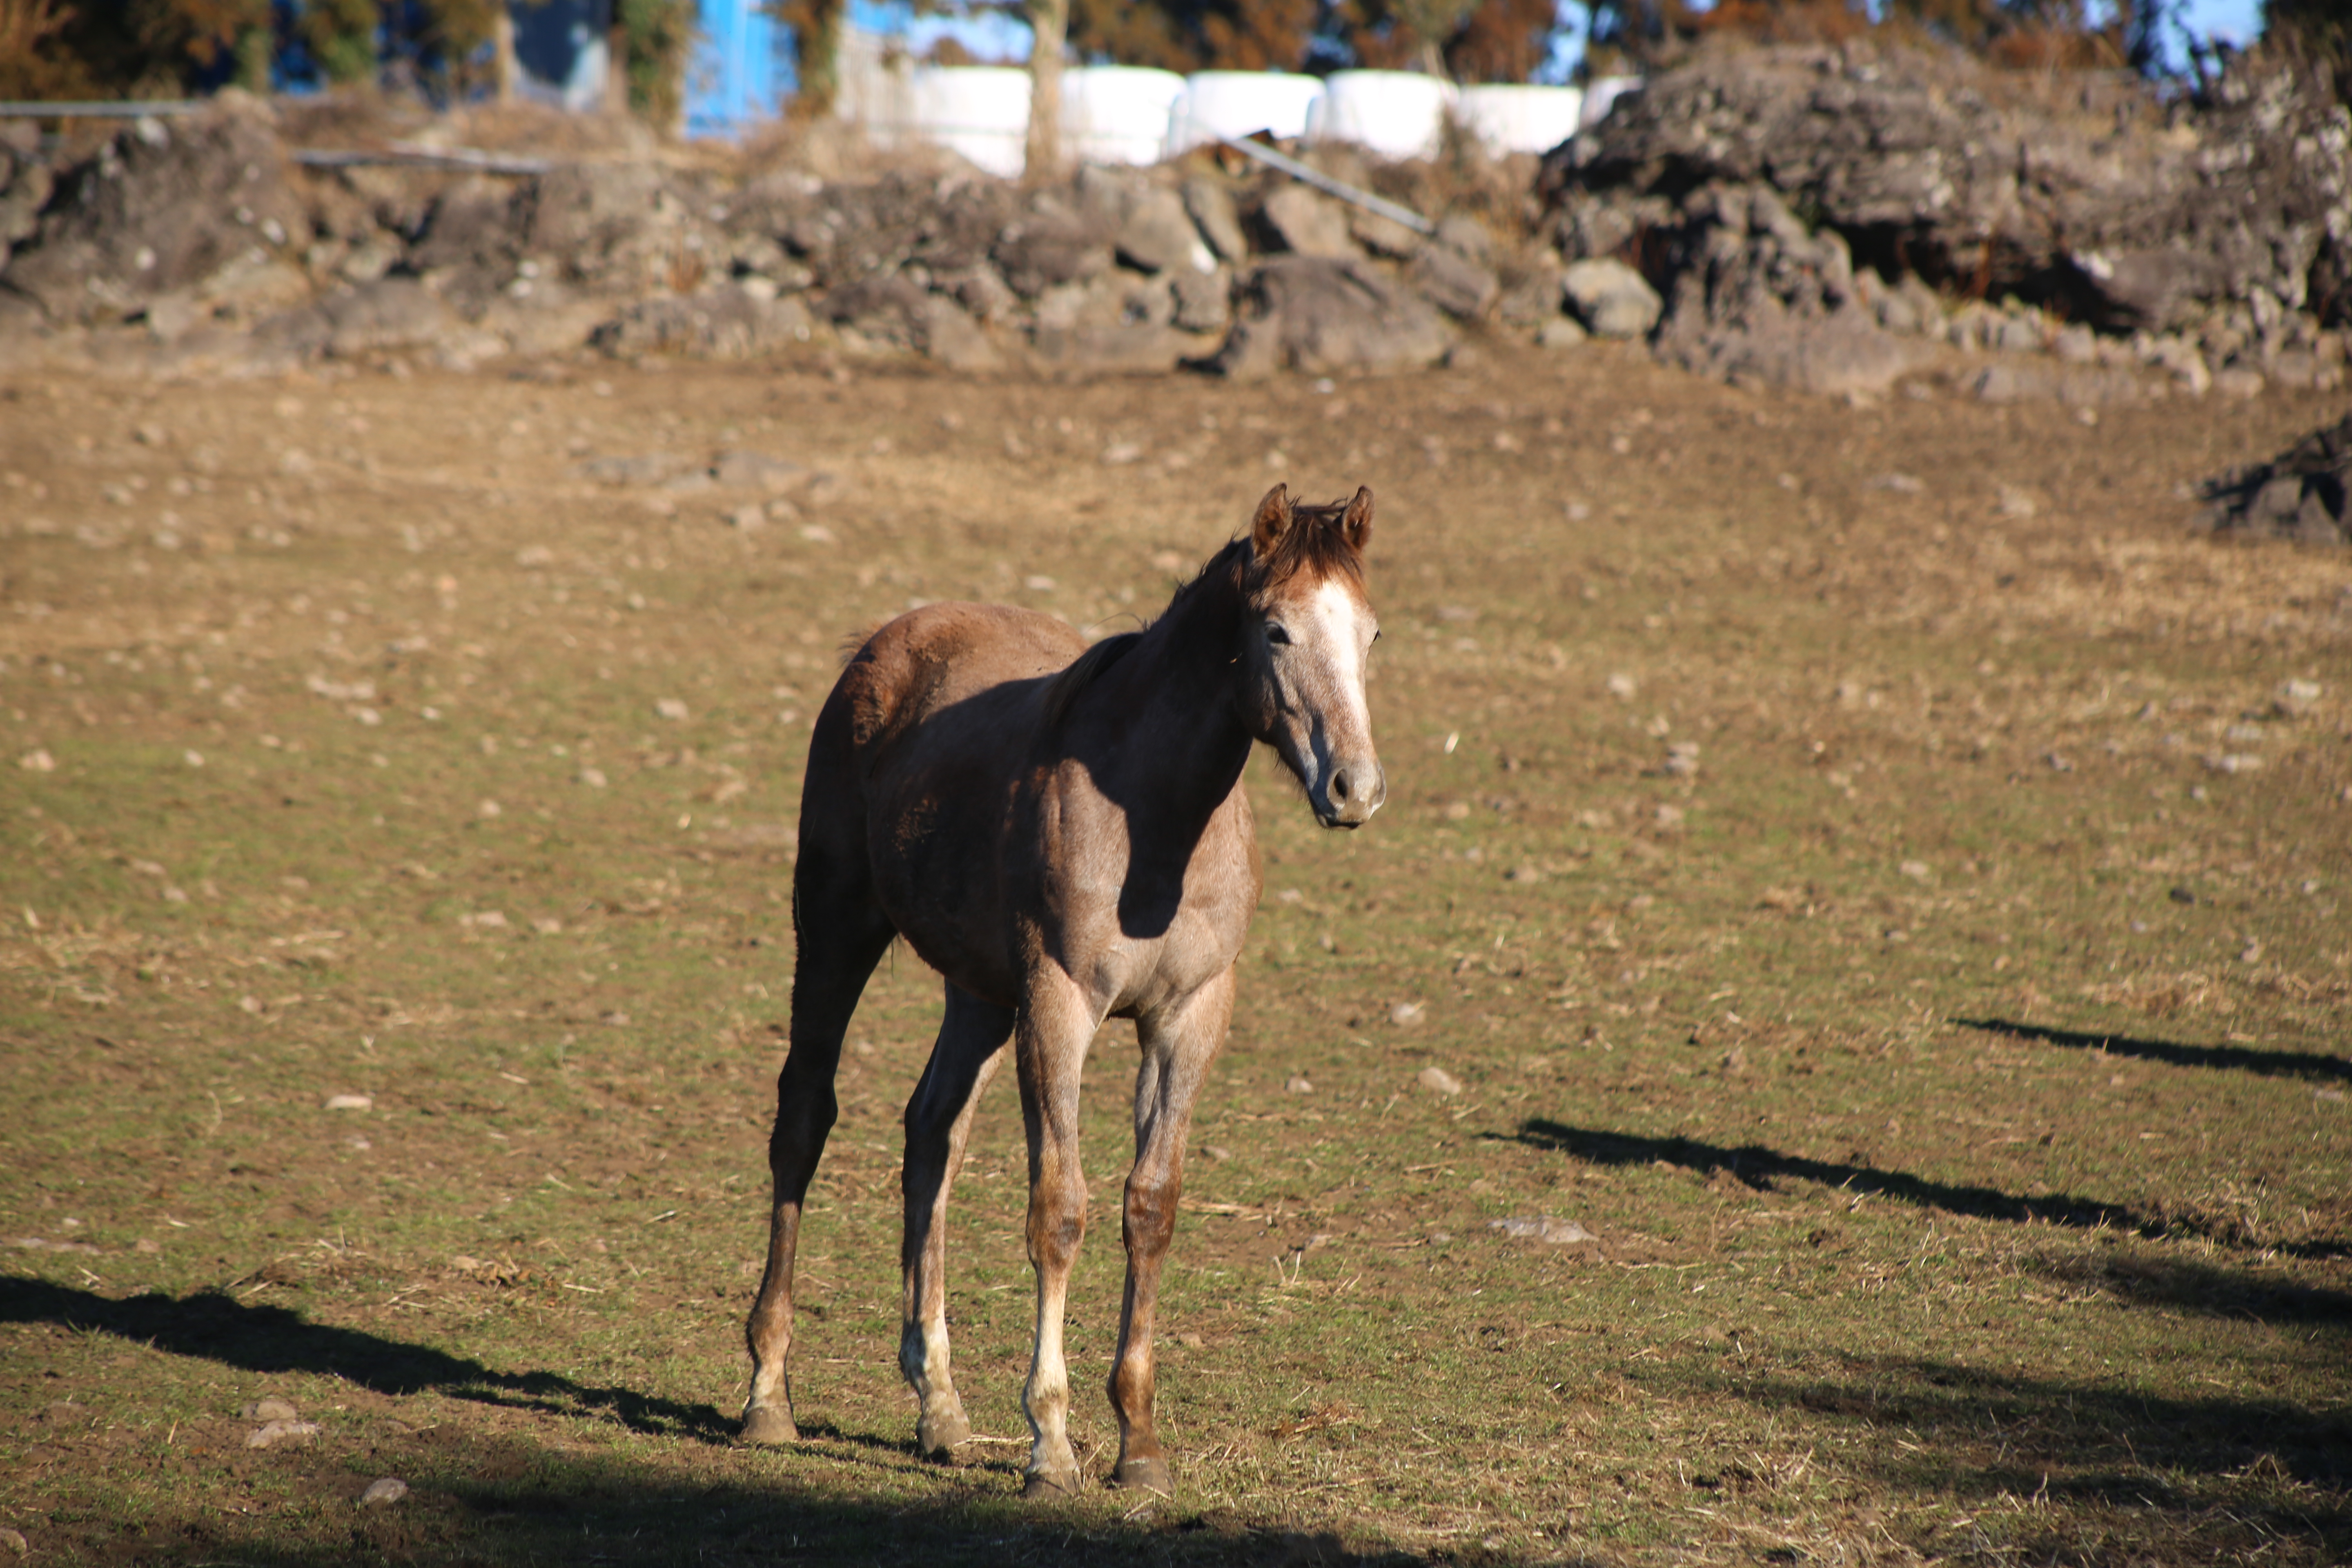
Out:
{"x": 1178, "y": 1044}
{"x": 939, "y": 1125}
{"x": 1050, "y": 1047}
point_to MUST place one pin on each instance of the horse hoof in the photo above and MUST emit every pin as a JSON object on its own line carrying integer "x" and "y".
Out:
{"x": 767, "y": 1426}
{"x": 1145, "y": 1475}
{"x": 939, "y": 1438}
{"x": 1048, "y": 1486}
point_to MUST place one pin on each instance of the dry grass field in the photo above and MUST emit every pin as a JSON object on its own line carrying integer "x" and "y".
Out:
{"x": 1870, "y": 871}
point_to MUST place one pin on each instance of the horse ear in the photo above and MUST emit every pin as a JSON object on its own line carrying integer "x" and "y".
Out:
{"x": 1356, "y": 523}
{"x": 1272, "y": 521}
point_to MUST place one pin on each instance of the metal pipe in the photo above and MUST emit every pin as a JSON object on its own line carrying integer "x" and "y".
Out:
{"x": 1323, "y": 181}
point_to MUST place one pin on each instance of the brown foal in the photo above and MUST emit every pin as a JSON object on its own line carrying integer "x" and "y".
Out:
{"x": 1061, "y": 832}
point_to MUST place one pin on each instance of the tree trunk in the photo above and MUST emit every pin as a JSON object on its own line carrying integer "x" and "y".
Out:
{"x": 1049, "y": 21}
{"x": 616, "y": 67}
{"x": 502, "y": 54}
{"x": 817, "y": 31}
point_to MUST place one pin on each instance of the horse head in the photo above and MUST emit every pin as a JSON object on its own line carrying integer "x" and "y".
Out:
{"x": 1306, "y": 636}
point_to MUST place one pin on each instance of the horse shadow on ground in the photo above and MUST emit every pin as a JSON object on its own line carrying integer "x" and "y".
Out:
{"x": 1976, "y": 1434}
{"x": 1762, "y": 1169}
{"x": 482, "y": 1495}
{"x": 2226, "y": 1058}
{"x": 212, "y": 1325}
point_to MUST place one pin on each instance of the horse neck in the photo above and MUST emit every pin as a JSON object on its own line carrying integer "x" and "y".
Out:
{"x": 1170, "y": 702}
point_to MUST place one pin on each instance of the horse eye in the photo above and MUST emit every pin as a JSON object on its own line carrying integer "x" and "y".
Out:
{"x": 1275, "y": 635}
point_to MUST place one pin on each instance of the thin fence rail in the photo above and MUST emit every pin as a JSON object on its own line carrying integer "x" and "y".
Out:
{"x": 115, "y": 109}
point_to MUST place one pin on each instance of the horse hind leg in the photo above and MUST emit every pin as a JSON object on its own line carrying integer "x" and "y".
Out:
{"x": 938, "y": 1124}
{"x": 841, "y": 934}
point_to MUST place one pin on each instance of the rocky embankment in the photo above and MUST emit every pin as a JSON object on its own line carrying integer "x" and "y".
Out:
{"x": 1822, "y": 220}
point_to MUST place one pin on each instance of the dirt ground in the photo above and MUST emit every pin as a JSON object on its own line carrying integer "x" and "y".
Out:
{"x": 1870, "y": 867}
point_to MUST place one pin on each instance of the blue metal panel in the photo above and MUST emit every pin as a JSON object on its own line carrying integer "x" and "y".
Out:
{"x": 740, "y": 72}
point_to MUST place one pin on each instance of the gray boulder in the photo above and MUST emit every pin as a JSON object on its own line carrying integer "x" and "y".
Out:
{"x": 1158, "y": 235}
{"x": 1611, "y": 298}
{"x": 1211, "y": 206}
{"x": 390, "y": 313}
{"x": 2100, "y": 198}
{"x": 158, "y": 208}
{"x": 1053, "y": 245}
{"x": 725, "y": 323}
{"x": 1306, "y": 223}
{"x": 1456, "y": 284}
{"x": 1322, "y": 314}
{"x": 2301, "y": 494}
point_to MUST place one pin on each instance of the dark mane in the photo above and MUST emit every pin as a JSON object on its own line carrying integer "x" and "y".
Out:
{"x": 1063, "y": 688}
{"x": 1314, "y": 543}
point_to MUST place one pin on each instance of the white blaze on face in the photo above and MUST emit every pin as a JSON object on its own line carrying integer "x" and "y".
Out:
{"x": 1338, "y": 617}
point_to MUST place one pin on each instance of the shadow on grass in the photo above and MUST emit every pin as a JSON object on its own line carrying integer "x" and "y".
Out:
{"x": 2223, "y": 1474}
{"x": 479, "y": 1498}
{"x": 1761, "y": 1168}
{"x": 2227, "y": 1059}
{"x": 488, "y": 1497}
{"x": 2181, "y": 1284}
{"x": 213, "y": 1326}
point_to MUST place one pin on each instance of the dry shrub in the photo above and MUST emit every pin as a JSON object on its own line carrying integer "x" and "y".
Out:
{"x": 31, "y": 63}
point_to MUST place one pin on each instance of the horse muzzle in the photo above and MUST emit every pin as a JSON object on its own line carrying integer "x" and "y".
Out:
{"x": 1352, "y": 794}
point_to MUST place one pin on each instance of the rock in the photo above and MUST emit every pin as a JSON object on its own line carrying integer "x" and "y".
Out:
{"x": 1612, "y": 299}
{"x": 1050, "y": 247}
{"x": 599, "y": 217}
{"x": 281, "y": 1434}
{"x": 14, "y": 1539}
{"x": 1204, "y": 300}
{"x": 1845, "y": 353}
{"x": 1158, "y": 234}
{"x": 1437, "y": 1081}
{"x": 271, "y": 1409}
{"x": 1533, "y": 292}
{"x": 1560, "y": 333}
{"x": 1297, "y": 1084}
{"x": 2300, "y": 494}
{"x": 350, "y": 1102}
{"x": 24, "y": 184}
{"x": 158, "y": 207}
{"x": 476, "y": 225}
{"x": 1211, "y": 207}
{"x": 730, "y": 470}
{"x": 1456, "y": 283}
{"x": 1405, "y": 1015}
{"x": 888, "y": 308}
{"x": 384, "y": 1492}
{"x": 1138, "y": 348}
{"x": 726, "y": 323}
{"x": 390, "y": 313}
{"x": 1543, "y": 1229}
{"x": 2098, "y": 198}
{"x": 1382, "y": 234}
{"x": 1306, "y": 222}
{"x": 1319, "y": 315}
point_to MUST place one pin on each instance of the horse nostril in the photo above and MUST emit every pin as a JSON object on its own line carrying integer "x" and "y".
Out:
{"x": 1339, "y": 785}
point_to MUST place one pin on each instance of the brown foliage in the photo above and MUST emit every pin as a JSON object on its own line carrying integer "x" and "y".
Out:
{"x": 1197, "y": 35}
{"x": 32, "y": 65}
